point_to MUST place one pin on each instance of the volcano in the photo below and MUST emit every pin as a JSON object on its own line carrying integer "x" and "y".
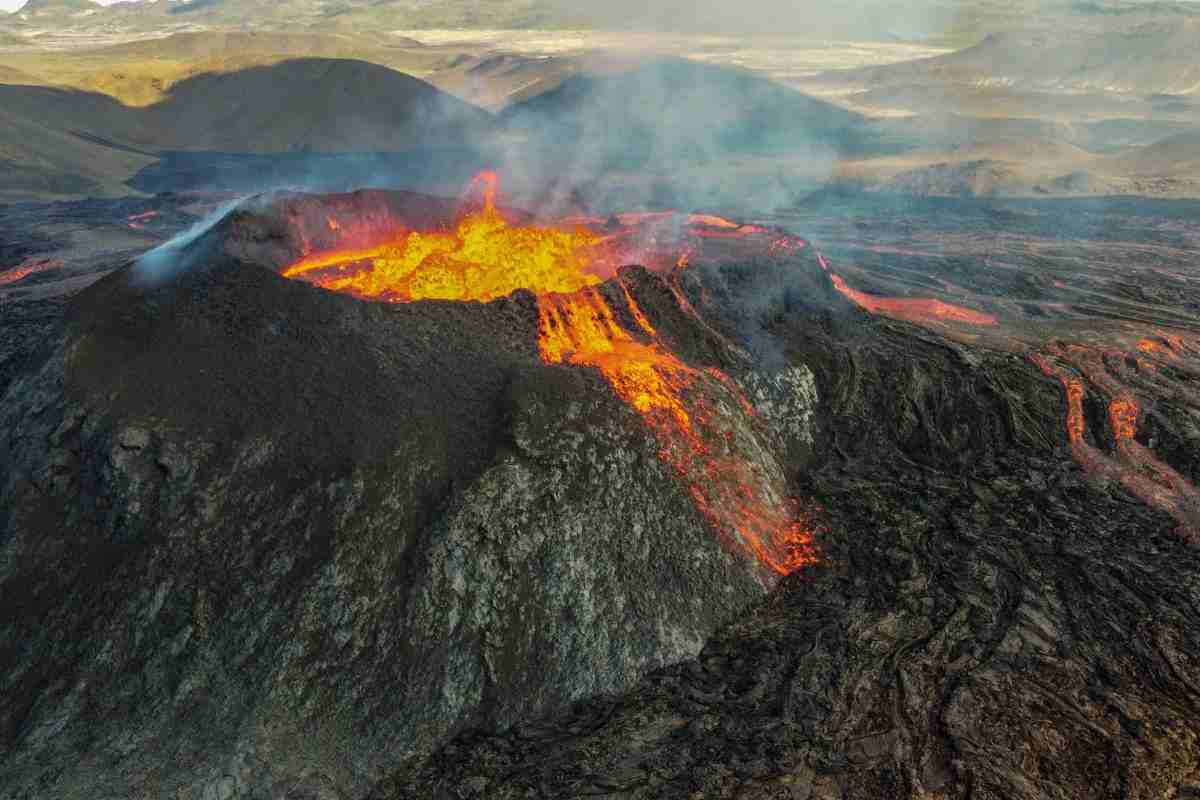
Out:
{"x": 380, "y": 494}
{"x": 549, "y": 479}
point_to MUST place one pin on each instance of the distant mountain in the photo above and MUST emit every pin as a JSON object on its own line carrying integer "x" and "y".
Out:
{"x": 57, "y": 6}
{"x": 682, "y": 111}
{"x": 58, "y": 10}
{"x": 980, "y": 178}
{"x": 1161, "y": 58}
{"x": 60, "y": 141}
{"x": 311, "y": 105}
{"x": 323, "y": 15}
{"x": 1175, "y": 155}
{"x": 44, "y": 156}
{"x": 676, "y": 134}
{"x": 494, "y": 80}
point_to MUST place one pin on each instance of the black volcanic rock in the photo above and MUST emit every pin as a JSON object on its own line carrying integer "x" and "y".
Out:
{"x": 974, "y": 634}
{"x": 986, "y": 620}
{"x": 259, "y": 539}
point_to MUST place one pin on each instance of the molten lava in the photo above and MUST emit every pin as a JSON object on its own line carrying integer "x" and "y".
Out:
{"x": 485, "y": 257}
{"x": 680, "y": 404}
{"x": 910, "y": 309}
{"x": 1135, "y": 467}
{"x": 27, "y": 268}
{"x": 1080, "y": 368}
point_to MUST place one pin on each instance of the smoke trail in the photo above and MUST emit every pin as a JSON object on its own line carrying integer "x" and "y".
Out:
{"x": 172, "y": 257}
{"x": 672, "y": 134}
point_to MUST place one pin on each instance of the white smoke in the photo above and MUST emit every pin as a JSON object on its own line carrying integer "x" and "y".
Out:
{"x": 669, "y": 134}
{"x": 170, "y": 257}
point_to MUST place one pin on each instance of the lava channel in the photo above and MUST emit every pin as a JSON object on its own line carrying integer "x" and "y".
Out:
{"x": 1135, "y": 466}
{"x": 27, "y": 268}
{"x": 917, "y": 310}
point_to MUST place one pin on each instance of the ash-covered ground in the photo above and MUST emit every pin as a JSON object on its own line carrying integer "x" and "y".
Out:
{"x": 262, "y": 540}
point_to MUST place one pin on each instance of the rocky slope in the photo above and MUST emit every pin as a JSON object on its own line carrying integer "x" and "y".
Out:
{"x": 989, "y": 621}
{"x": 230, "y": 576}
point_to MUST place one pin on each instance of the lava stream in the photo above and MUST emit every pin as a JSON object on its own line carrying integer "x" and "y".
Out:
{"x": 681, "y": 406}
{"x": 27, "y": 268}
{"x": 1135, "y": 467}
{"x": 910, "y": 309}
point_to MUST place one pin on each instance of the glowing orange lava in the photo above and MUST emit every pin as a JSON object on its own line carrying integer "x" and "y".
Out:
{"x": 485, "y": 257}
{"x": 679, "y": 403}
{"x": 138, "y": 221}
{"x": 1123, "y": 416}
{"x": 27, "y": 268}
{"x": 1135, "y": 467}
{"x": 912, "y": 309}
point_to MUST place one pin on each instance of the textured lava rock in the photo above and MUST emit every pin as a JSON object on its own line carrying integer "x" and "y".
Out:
{"x": 970, "y": 635}
{"x": 259, "y": 539}
{"x": 987, "y": 620}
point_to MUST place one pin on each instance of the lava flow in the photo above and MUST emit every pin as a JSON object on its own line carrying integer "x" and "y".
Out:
{"x": 910, "y": 309}
{"x": 1135, "y": 467}
{"x": 27, "y": 268}
{"x": 1078, "y": 367}
{"x": 485, "y": 257}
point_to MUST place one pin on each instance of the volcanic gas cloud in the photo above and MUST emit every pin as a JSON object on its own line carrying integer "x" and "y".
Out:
{"x": 486, "y": 256}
